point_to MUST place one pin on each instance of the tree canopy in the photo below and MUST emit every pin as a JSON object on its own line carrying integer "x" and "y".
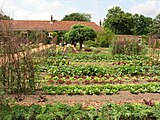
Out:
{"x": 80, "y": 33}
{"x": 126, "y": 23}
{"x": 77, "y": 17}
{"x": 141, "y": 24}
{"x": 156, "y": 26}
{"x": 4, "y": 17}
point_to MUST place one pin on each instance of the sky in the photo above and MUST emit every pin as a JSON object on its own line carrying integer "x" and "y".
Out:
{"x": 42, "y": 9}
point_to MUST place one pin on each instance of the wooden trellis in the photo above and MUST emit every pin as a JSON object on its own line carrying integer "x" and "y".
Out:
{"x": 154, "y": 47}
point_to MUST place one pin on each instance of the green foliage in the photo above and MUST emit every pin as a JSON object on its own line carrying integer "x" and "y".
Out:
{"x": 4, "y": 17}
{"x": 104, "y": 38}
{"x": 108, "y": 89}
{"x": 90, "y": 43}
{"x": 38, "y": 36}
{"x": 141, "y": 24}
{"x": 80, "y": 33}
{"x": 104, "y": 57}
{"x": 54, "y": 34}
{"x": 128, "y": 47}
{"x": 145, "y": 39}
{"x": 155, "y": 29}
{"x": 76, "y": 70}
{"x": 118, "y": 21}
{"x": 132, "y": 69}
{"x": 60, "y": 37}
{"x": 126, "y": 23}
{"x": 77, "y": 17}
{"x": 59, "y": 111}
{"x": 128, "y": 112}
{"x": 134, "y": 65}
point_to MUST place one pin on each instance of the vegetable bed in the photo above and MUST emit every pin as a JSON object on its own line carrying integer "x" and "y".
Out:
{"x": 60, "y": 111}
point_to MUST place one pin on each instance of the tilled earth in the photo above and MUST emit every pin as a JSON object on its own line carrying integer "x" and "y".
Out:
{"x": 89, "y": 100}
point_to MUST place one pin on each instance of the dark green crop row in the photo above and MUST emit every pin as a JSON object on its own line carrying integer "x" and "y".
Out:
{"x": 94, "y": 70}
{"x": 60, "y": 111}
{"x": 108, "y": 89}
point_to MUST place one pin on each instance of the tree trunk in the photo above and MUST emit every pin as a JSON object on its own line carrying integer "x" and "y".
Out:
{"x": 80, "y": 47}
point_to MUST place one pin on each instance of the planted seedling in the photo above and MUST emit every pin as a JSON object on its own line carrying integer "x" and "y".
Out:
{"x": 119, "y": 78}
{"x": 148, "y": 78}
{"x": 111, "y": 78}
{"x": 72, "y": 78}
{"x": 104, "y": 78}
{"x": 126, "y": 78}
{"x": 47, "y": 77}
{"x": 88, "y": 78}
{"x": 63, "y": 78}
{"x": 148, "y": 102}
{"x": 96, "y": 78}
{"x": 80, "y": 79}
{"x": 155, "y": 78}
{"x": 42, "y": 98}
{"x": 56, "y": 78}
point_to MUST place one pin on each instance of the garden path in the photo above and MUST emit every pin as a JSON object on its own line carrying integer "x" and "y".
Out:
{"x": 92, "y": 100}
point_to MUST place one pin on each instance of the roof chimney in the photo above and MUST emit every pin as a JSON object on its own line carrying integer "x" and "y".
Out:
{"x": 51, "y": 19}
{"x": 100, "y": 23}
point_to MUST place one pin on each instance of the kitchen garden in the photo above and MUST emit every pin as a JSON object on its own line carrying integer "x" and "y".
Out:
{"x": 90, "y": 74}
{"x": 125, "y": 67}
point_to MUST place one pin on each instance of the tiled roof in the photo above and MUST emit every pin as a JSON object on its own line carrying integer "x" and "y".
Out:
{"x": 47, "y": 25}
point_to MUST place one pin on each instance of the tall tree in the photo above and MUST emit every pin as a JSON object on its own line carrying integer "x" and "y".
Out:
{"x": 80, "y": 33}
{"x": 77, "y": 17}
{"x": 126, "y": 23}
{"x": 118, "y": 21}
{"x": 156, "y": 26}
{"x": 141, "y": 24}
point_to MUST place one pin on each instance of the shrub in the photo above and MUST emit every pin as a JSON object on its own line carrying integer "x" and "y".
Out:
{"x": 128, "y": 47}
{"x": 90, "y": 43}
{"x": 104, "y": 38}
{"x": 54, "y": 34}
{"x": 145, "y": 39}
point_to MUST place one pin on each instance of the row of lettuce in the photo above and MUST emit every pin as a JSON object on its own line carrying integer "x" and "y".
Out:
{"x": 63, "y": 67}
{"x": 60, "y": 111}
{"x": 83, "y": 57}
{"x": 108, "y": 89}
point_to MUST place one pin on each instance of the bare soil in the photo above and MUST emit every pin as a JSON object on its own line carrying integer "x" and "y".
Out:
{"x": 90, "y": 100}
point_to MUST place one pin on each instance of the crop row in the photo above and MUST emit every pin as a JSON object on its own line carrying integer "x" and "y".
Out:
{"x": 92, "y": 82}
{"x": 95, "y": 71}
{"x": 60, "y": 111}
{"x": 92, "y": 58}
{"x": 104, "y": 57}
{"x": 108, "y": 89}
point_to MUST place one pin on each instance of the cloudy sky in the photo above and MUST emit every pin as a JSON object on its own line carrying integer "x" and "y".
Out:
{"x": 42, "y": 9}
